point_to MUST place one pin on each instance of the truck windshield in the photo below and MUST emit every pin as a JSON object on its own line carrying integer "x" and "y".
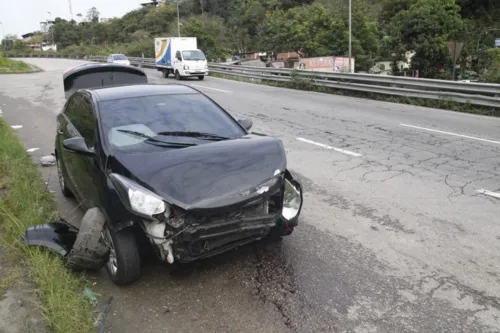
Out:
{"x": 193, "y": 55}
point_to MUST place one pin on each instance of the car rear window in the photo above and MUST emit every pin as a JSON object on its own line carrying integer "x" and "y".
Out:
{"x": 119, "y": 57}
{"x": 165, "y": 113}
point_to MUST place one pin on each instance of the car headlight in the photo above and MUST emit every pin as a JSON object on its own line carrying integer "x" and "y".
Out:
{"x": 140, "y": 199}
{"x": 292, "y": 201}
{"x": 186, "y": 67}
{"x": 206, "y": 66}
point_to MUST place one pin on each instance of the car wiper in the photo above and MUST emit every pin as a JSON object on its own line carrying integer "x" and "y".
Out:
{"x": 150, "y": 138}
{"x": 201, "y": 135}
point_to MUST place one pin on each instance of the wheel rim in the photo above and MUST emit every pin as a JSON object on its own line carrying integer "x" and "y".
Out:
{"x": 112, "y": 263}
{"x": 60, "y": 175}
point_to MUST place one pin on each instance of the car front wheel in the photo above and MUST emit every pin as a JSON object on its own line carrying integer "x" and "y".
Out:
{"x": 124, "y": 263}
{"x": 201, "y": 77}
{"x": 177, "y": 75}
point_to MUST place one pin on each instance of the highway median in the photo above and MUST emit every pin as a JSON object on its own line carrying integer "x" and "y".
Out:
{"x": 25, "y": 201}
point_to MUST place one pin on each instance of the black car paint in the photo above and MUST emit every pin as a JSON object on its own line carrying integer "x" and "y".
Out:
{"x": 90, "y": 182}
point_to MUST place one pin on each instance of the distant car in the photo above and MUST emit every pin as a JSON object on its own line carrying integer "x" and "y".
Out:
{"x": 167, "y": 165}
{"x": 119, "y": 59}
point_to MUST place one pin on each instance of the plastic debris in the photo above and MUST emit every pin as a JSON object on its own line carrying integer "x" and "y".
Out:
{"x": 48, "y": 160}
{"x": 90, "y": 295}
{"x": 101, "y": 317}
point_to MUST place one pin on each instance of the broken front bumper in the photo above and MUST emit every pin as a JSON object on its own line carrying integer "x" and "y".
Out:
{"x": 210, "y": 239}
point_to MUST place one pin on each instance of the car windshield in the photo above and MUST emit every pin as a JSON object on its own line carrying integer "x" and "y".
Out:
{"x": 183, "y": 119}
{"x": 193, "y": 55}
{"x": 119, "y": 57}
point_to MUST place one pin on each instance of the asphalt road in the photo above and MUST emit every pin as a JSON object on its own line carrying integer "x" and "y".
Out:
{"x": 394, "y": 236}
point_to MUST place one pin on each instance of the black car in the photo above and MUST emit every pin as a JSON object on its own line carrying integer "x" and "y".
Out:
{"x": 166, "y": 164}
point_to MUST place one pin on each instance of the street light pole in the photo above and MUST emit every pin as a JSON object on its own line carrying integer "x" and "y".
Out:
{"x": 350, "y": 34}
{"x": 52, "y": 30}
{"x": 178, "y": 20}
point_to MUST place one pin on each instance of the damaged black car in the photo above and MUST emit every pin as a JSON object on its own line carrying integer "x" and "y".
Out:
{"x": 167, "y": 164}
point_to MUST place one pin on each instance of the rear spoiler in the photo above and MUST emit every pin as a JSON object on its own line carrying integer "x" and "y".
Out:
{"x": 101, "y": 75}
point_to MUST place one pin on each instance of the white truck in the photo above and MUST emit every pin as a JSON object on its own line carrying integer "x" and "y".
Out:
{"x": 180, "y": 56}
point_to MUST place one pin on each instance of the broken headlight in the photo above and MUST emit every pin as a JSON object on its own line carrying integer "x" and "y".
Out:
{"x": 292, "y": 201}
{"x": 140, "y": 199}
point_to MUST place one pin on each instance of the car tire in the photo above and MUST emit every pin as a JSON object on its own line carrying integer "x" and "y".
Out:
{"x": 62, "y": 180}
{"x": 201, "y": 77}
{"x": 177, "y": 76}
{"x": 166, "y": 73}
{"x": 124, "y": 264}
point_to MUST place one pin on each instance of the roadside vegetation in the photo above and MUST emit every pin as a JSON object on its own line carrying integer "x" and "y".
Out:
{"x": 383, "y": 30}
{"x": 25, "y": 201}
{"x": 12, "y": 66}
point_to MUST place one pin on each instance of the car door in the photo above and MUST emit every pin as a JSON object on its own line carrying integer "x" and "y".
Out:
{"x": 67, "y": 130}
{"x": 84, "y": 168}
{"x": 178, "y": 62}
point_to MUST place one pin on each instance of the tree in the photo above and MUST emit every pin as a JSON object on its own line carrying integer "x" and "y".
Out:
{"x": 492, "y": 72}
{"x": 316, "y": 31}
{"x": 93, "y": 15}
{"x": 425, "y": 28}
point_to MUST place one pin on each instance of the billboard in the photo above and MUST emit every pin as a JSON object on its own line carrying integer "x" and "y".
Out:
{"x": 326, "y": 64}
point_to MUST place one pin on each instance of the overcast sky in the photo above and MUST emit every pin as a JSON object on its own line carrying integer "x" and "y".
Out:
{"x": 23, "y": 16}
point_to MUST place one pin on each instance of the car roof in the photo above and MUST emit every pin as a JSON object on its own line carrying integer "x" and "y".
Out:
{"x": 139, "y": 90}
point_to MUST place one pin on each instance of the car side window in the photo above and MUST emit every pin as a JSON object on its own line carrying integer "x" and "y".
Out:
{"x": 81, "y": 115}
{"x": 178, "y": 55}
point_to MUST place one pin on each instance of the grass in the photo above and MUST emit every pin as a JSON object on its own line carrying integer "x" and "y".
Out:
{"x": 25, "y": 202}
{"x": 9, "y": 66}
{"x": 306, "y": 85}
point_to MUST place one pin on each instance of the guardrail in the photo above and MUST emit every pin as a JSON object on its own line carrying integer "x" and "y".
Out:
{"x": 482, "y": 94}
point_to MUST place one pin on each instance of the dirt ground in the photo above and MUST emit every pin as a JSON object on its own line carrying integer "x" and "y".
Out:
{"x": 20, "y": 309}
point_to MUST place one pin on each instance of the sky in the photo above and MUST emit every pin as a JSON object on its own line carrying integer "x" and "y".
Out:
{"x": 22, "y": 16}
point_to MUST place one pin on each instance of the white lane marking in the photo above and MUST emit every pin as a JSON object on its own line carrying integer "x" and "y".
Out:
{"x": 329, "y": 147}
{"x": 490, "y": 193}
{"x": 31, "y": 150}
{"x": 450, "y": 133}
{"x": 17, "y": 126}
{"x": 198, "y": 86}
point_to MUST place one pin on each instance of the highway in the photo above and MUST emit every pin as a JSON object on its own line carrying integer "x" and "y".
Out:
{"x": 399, "y": 230}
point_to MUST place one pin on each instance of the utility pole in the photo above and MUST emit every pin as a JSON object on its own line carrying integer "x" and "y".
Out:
{"x": 350, "y": 35}
{"x": 52, "y": 30}
{"x": 178, "y": 20}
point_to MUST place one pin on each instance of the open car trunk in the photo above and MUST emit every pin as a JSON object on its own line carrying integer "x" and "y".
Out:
{"x": 101, "y": 75}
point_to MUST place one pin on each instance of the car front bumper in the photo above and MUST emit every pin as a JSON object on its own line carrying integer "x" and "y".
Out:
{"x": 206, "y": 240}
{"x": 194, "y": 72}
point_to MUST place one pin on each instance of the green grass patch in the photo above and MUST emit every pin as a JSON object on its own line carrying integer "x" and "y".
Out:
{"x": 9, "y": 66}
{"x": 24, "y": 201}
{"x": 306, "y": 85}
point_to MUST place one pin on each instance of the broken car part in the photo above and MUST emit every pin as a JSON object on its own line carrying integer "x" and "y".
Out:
{"x": 82, "y": 248}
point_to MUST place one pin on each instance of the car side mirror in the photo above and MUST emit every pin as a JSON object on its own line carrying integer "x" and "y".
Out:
{"x": 247, "y": 123}
{"x": 78, "y": 145}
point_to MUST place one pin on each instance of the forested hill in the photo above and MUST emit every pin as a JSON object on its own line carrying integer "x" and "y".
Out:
{"x": 382, "y": 29}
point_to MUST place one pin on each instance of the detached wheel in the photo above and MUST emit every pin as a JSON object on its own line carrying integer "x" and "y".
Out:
{"x": 201, "y": 77}
{"x": 62, "y": 180}
{"x": 124, "y": 263}
{"x": 177, "y": 75}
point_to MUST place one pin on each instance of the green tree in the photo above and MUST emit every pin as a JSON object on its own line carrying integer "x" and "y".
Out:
{"x": 316, "y": 31}
{"x": 492, "y": 64}
{"x": 425, "y": 28}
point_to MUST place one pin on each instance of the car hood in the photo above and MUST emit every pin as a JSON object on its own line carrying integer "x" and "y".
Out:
{"x": 122, "y": 62}
{"x": 211, "y": 175}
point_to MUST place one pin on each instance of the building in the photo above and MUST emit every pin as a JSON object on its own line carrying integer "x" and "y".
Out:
{"x": 154, "y": 3}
